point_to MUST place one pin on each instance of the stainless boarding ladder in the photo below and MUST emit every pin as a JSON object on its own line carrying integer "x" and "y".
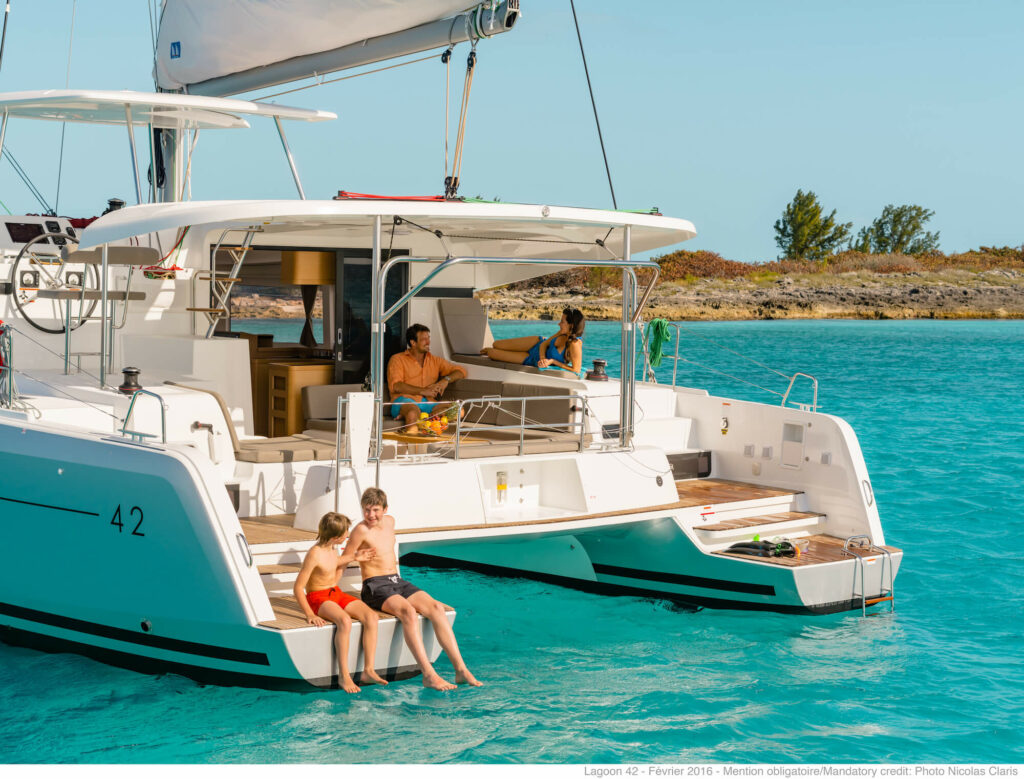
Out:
{"x": 885, "y": 595}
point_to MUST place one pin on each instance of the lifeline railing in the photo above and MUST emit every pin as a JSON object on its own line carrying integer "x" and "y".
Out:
{"x": 648, "y": 370}
{"x": 578, "y": 421}
{"x": 524, "y": 426}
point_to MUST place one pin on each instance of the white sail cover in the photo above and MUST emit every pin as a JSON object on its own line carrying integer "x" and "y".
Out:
{"x": 204, "y": 39}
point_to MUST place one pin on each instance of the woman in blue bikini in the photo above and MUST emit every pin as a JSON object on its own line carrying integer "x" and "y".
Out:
{"x": 562, "y": 350}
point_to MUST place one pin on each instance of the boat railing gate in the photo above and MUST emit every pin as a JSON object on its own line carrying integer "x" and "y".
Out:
{"x": 6, "y": 366}
{"x": 648, "y": 370}
{"x": 864, "y": 542}
{"x": 135, "y": 435}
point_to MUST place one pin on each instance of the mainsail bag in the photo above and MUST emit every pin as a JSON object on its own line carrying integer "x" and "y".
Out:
{"x": 206, "y": 39}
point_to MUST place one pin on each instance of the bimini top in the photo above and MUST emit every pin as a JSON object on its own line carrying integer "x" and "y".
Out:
{"x": 466, "y": 229}
{"x": 164, "y": 110}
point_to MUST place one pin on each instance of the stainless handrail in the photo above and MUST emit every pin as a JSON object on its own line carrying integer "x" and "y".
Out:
{"x": 131, "y": 408}
{"x": 7, "y": 368}
{"x": 648, "y": 369}
{"x": 580, "y": 423}
{"x": 523, "y": 426}
{"x": 243, "y": 545}
{"x": 792, "y": 381}
{"x": 338, "y": 459}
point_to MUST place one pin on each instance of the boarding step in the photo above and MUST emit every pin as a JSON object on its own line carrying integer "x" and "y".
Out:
{"x": 697, "y": 491}
{"x": 821, "y": 548}
{"x": 785, "y": 522}
{"x": 279, "y": 554}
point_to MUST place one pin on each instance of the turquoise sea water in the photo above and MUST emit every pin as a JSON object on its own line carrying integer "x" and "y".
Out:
{"x": 573, "y": 677}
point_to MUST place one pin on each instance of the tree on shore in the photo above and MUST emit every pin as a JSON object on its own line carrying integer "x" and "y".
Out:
{"x": 803, "y": 233}
{"x": 899, "y": 230}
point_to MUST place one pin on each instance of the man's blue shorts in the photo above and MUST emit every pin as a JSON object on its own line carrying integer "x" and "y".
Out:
{"x": 397, "y": 403}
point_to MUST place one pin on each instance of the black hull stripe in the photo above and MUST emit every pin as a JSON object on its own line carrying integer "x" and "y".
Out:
{"x": 46, "y": 506}
{"x": 684, "y": 580}
{"x": 152, "y": 665}
{"x": 605, "y": 588}
{"x": 144, "y": 639}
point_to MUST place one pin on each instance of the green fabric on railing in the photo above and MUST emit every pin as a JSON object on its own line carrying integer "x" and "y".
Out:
{"x": 657, "y": 336}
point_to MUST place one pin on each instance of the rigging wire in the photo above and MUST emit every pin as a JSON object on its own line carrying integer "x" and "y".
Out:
{"x": 3, "y": 38}
{"x": 729, "y": 375}
{"x": 64, "y": 125}
{"x": 152, "y": 26}
{"x": 451, "y": 181}
{"x": 32, "y": 188}
{"x": 733, "y": 351}
{"x": 344, "y": 78}
{"x": 442, "y": 235}
{"x": 593, "y": 104}
{"x": 446, "y": 59}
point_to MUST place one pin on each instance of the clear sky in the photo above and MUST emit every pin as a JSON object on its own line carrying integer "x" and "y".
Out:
{"x": 714, "y": 111}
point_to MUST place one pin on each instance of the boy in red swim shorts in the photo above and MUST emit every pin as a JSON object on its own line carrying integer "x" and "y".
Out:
{"x": 317, "y": 593}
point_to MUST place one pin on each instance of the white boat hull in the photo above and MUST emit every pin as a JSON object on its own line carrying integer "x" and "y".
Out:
{"x": 657, "y": 558}
{"x": 153, "y": 575}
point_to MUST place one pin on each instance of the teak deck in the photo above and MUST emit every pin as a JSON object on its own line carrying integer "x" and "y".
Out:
{"x": 290, "y": 617}
{"x": 821, "y": 549}
{"x": 759, "y": 520}
{"x": 706, "y": 492}
{"x": 273, "y": 530}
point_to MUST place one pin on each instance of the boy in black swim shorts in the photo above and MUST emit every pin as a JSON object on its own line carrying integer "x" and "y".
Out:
{"x": 378, "y": 589}
{"x": 385, "y": 590}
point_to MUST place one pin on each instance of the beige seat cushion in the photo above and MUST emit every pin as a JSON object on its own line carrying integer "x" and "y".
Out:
{"x": 553, "y": 412}
{"x": 480, "y": 359}
{"x": 465, "y": 323}
{"x": 321, "y": 401}
{"x": 287, "y": 449}
{"x": 473, "y": 389}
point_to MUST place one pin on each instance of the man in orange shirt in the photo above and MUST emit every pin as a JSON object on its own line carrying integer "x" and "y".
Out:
{"x": 416, "y": 377}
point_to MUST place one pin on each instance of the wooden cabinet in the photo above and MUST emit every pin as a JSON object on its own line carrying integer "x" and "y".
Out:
{"x": 262, "y": 352}
{"x": 285, "y": 380}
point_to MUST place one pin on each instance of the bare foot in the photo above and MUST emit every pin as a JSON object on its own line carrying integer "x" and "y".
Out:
{"x": 369, "y": 675}
{"x": 435, "y": 682}
{"x": 465, "y": 677}
{"x": 348, "y": 685}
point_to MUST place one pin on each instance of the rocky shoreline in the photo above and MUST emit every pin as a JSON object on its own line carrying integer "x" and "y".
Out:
{"x": 952, "y": 294}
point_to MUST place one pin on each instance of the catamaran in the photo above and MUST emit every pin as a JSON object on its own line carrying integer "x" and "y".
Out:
{"x": 183, "y": 462}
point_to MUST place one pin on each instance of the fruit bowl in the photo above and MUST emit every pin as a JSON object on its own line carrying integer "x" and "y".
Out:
{"x": 431, "y": 426}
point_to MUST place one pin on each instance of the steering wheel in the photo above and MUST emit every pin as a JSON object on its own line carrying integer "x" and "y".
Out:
{"x": 33, "y": 271}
